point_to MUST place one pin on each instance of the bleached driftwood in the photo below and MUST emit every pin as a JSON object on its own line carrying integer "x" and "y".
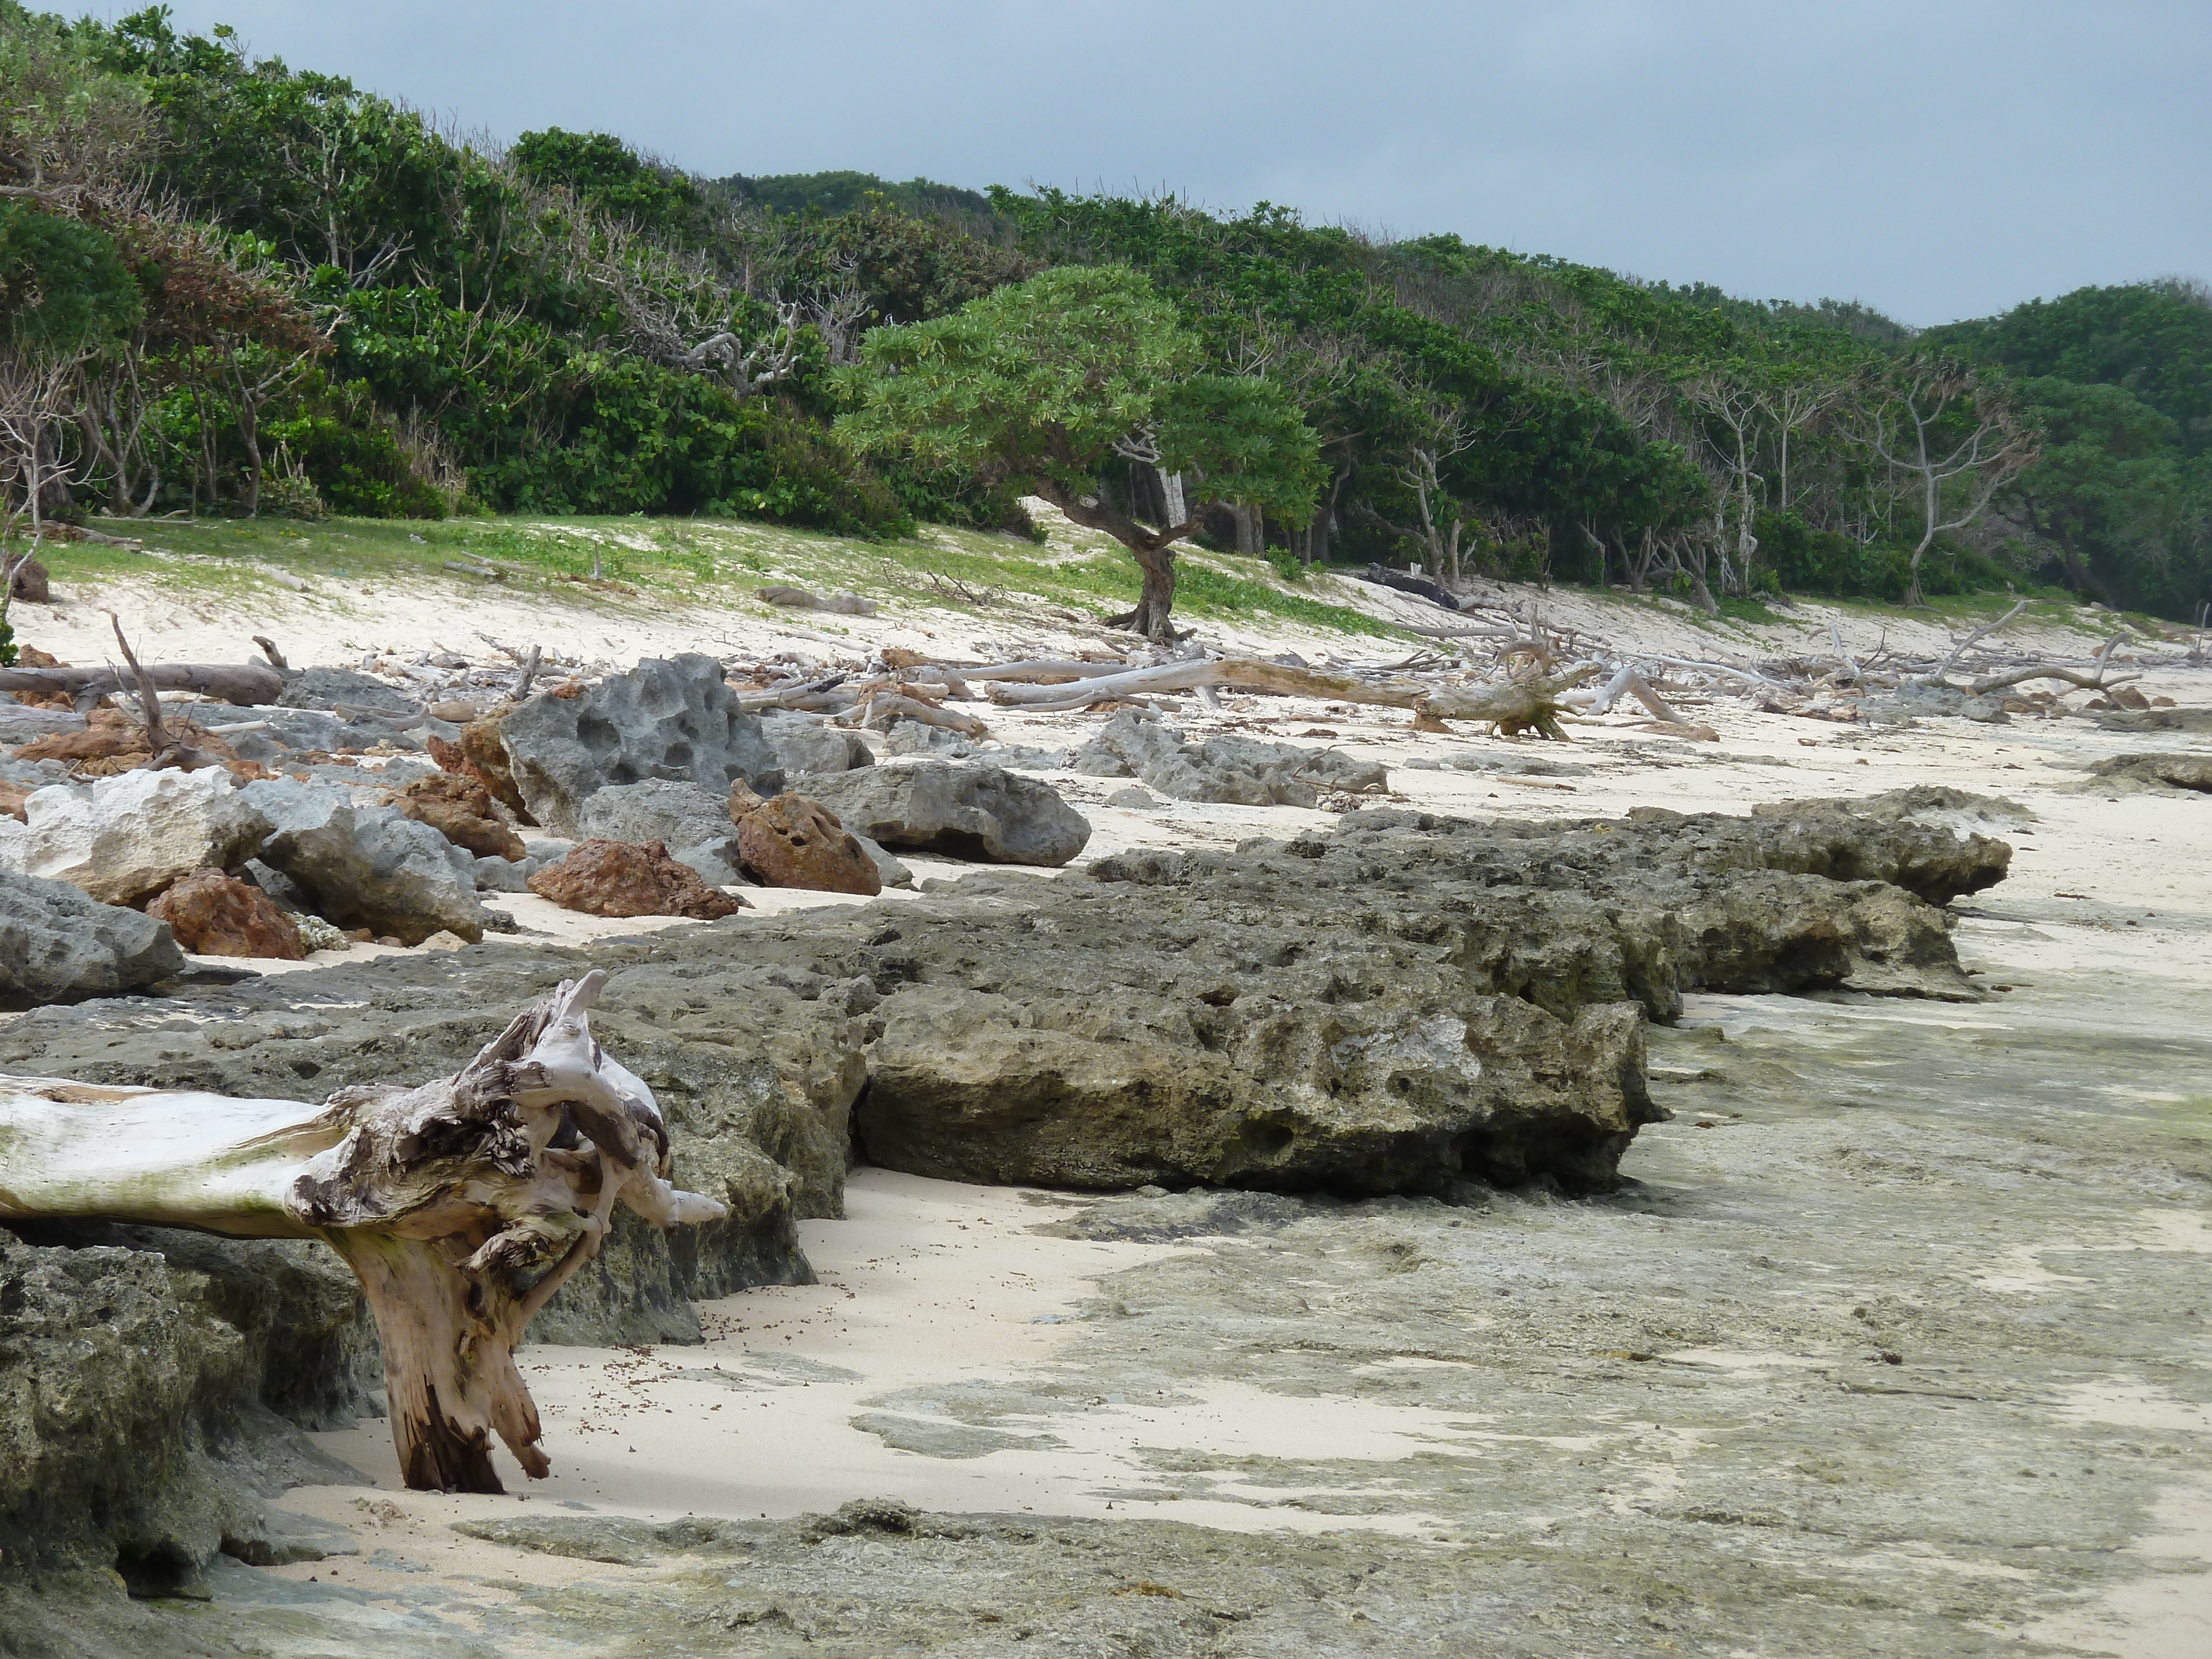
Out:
{"x": 461, "y": 1205}
{"x": 882, "y": 709}
{"x": 246, "y": 683}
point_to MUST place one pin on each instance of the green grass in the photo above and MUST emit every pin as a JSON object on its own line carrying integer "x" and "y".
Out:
{"x": 657, "y": 561}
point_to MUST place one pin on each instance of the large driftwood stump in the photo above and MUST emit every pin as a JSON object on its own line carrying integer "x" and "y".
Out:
{"x": 462, "y": 1204}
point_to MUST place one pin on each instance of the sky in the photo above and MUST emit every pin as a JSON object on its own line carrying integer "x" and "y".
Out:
{"x": 1935, "y": 159}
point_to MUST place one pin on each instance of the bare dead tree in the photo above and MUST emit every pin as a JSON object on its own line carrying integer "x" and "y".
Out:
{"x": 839, "y": 309}
{"x": 678, "y": 309}
{"x": 36, "y": 407}
{"x": 1935, "y": 426}
{"x": 1735, "y": 409}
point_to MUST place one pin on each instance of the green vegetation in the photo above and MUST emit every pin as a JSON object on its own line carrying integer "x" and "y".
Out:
{"x": 1044, "y": 384}
{"x": 336, "y": 309}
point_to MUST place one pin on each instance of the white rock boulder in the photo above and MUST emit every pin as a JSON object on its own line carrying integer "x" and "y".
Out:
{"x": 129, "y": 837}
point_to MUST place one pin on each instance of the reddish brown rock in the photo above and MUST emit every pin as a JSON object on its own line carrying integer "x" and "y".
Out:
{"x": 743, "y": 802}
{"x": 29, "y": 584}
{"x": 213, "y": 914}
{"x": 481, "y": 755}
{"x": 12, "y": 797}
{"x": 459, "y": 808}
{"x": 29, "y": 656}
{"x": 627, "y": 878}
{"x": 795, "y": 841}
{"x": 114, "y": 740}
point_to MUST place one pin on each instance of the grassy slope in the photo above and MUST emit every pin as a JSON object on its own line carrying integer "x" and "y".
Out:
{"x": 694, "y": 560}
{"x": 661, "y": 561}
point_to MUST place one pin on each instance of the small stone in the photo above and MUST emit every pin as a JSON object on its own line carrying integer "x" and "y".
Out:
{"x": 442, "y": 941}
{"x": 213, "y": 914}
{"x": 620, "y": 879}
{"x": 1134, "y": 800}
{"x": 316, "y": 934}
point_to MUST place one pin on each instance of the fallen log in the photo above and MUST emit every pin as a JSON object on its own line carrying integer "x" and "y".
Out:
{"x": 881, "y": 710}
{"x": 1514, "y": 706}
{"x": 244, "y": 683}
{"x": 462, "y": 1205}
{"x": 1043, "y": 671}
{"x": 1242, "y": 673}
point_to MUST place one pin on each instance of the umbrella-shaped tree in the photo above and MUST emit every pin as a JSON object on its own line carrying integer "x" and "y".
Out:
{"x": 1044, "y": 384}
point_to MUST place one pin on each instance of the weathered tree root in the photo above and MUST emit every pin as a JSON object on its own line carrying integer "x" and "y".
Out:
{"x": 462, "y": 1205}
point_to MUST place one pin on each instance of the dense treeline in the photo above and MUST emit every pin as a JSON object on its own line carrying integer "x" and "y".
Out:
{"x": 227, "y": 285}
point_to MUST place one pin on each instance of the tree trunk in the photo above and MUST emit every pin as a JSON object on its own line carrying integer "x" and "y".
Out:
{"x": 449, "y": 1201}
{"x": 1154, "y": 550}
{"x": 1151, "y": 617}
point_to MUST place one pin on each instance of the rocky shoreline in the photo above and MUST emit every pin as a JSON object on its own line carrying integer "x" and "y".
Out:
{"x": 1409, "y": 1004}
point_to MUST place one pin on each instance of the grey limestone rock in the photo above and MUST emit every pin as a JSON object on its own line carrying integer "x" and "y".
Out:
{"x": 22, "y": 723}
{"x": 56, "y": 944}
{"x": 963, "y": 809}
{"x": 141, "y": 1381}
{"x": 805, "y": 745}
{"x": 919, "y": 738}
{"x": 681, "y": 814}
{"x": 893, "y": 873}
{"x": 367, "y": 865}
{"x": 344, "y": 689}
{"x": 1230, "y": 768}
{"x": 674, "y": 721}
{"x": 498, "y": 875}
{"x": 715, "y": 859}
{"x": 2178, "y": 771}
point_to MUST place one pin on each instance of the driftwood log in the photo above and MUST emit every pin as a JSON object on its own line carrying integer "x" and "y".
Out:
{"x": 461, "y": 1205}
{"x": 1512, "y": 706}
{"x": 244, "y": 683}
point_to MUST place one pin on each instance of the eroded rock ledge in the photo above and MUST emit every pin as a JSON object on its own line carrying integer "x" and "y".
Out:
{"x": 1406, "y": 1005}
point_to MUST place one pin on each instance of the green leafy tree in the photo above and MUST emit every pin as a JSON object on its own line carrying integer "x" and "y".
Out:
{"x": 1044, "y": 385}
{"x": 2109, "y": 488}
{"x": 609, "y": 176}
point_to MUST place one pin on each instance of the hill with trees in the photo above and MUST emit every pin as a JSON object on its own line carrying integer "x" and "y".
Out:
{"x": 230, "y": 286}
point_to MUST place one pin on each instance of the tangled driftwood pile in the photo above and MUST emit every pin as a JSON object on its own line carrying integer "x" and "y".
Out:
{"x": 1511, "y": 670}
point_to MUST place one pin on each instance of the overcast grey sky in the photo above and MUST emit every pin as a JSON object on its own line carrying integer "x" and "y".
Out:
{"x": 1934, "y": 158}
